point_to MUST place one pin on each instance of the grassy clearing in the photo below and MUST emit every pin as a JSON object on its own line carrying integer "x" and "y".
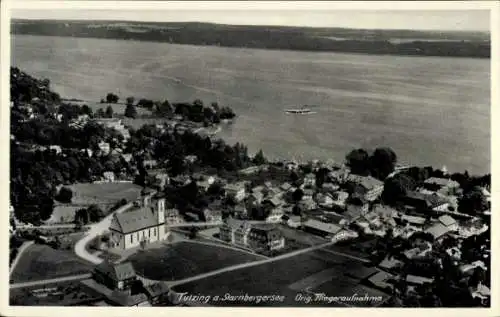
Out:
{"x": 139, "y": 122}
{"x": 63, "y": 214}
{"x": 185, "y": 259}
{"x": 41, "y": 262}
{"x": 105, "y": 193}
{"x": 276, "y": 278}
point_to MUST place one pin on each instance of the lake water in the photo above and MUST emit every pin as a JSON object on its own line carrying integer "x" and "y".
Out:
{"x": 430, "y": 110}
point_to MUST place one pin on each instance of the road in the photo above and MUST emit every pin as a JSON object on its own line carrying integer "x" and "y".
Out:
{"x": 58, "y": 226}
{"x": 95, "y": 230}
{"x": 246, "y": 265}
{"x": 23, "y": 248}
{"x": 50, "y": 281}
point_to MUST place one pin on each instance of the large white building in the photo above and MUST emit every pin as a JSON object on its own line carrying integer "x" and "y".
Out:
{"x": 146, "y": 223}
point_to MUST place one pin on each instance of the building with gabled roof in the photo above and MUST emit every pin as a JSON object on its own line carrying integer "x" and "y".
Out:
{"x": 115, "y": 276}
{"x": 145, "y": 224}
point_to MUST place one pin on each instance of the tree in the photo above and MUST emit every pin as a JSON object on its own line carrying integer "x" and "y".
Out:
{"x": 112, "y": 98}
{"x": 358, "y": 161}
{"x": 321, "y": 176}
{"x": 473, "y": 201}
{"x": 100, "y": 113}
{"x": 86, "y": 110}
{"x": 297, "y": 195}
{"x": 397, "y": 187}
{"x": 130, "y": 100}
{"x": 259, "y": 158}
{"x": 130, "y": 111}
{"x": 109, "y": 112}
{"x": 65, "y": 195}
{"x": 382, "y": 162}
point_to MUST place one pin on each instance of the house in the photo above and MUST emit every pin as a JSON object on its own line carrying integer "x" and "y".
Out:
{"x": 340, "y": 198}
{"x": 143, "y": 225}
{"x": 382, "y": 280}
{"x": 104, "y": 147}
{"x": 390, "y": 264}
{"x": 355, "y": 211}
{"x": 156, "y": 291}
{"x": 330, "y": 187}
{"x": 286, "y": 187}
{"x": 307, "y": 204}
{"x": 265, "y": 238}
{"x": 255, "y": 199}
{"x": 190, "y": 159}
{"x": 481, "y": 292}
{"x": 426, "y": 202}
{"x": 161, "y": 180}
{"x": 294, "y": 221}
{"x": 449, "y": 222}
{"x": 150, "y": 164}
{"x": 180, "y": 180}
{"x": 321, "y": 228}
{"x": 56, "y": 148}
{"x": 366, "y": 187}
{"x": 344, "y": 235}
{"x": 454, "y": 253}
{"x": 413, "y": 220}
{"x": 405, "y": 232}
{"x": 275, "y": 215}
{"x": 418, "y": 280}
{"x": 258, "y": 237}
{"x": 119, "y": 276}
{"x": 438, "y": 184}
{"x": 438, "y": 230}
{"x": 472, "y": 228}
{"x": 309, "y": 180}
{"x": 338, "y": 176}
{"x": 240, "y": 211}
{"x": 109, "y": 176}
{"x": 469, "y": 268}
{"x": 308, "y": 194}
{"x": 235, "y": 231}
{"x": 236, "y": 190}
{"x": 205, "y": 182}
{"x": 212, "y": 215}
{"x": 127, "y": 157}
{"x": 324, "y": 200}
{"x": 172, "y": 216}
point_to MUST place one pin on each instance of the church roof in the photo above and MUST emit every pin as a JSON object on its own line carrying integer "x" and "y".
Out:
{"x": 136, "y": 220}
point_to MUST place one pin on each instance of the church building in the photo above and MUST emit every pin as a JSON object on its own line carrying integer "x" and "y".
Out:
{"x": 146, "y": 223}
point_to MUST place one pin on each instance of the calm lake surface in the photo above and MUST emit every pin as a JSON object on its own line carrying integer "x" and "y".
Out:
{"x": 430, "y": 110}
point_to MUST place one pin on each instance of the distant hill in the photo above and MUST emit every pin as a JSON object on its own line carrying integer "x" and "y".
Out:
{"x": 394, "y": 42}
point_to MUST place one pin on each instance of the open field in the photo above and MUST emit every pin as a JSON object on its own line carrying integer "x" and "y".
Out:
{"x": 185, "y": 259}
{"x": 88, "y": 193}
{"x": 63, "y": 214}
{"x": 58, "y": 294}
{"x": 279, "y": 278}
{"x": 42, "y": 262}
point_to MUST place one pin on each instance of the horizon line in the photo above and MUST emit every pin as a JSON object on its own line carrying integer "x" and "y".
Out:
{"x": 252, "y": 25}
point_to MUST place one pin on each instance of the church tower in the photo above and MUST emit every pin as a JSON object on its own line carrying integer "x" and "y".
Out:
{"x": 161, "y": 210}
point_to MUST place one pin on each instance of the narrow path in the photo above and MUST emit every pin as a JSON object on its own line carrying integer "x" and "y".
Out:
{"x": 246, "y": 265}
{"x": 20, "y": 252}
{"x": 50, "y": 281}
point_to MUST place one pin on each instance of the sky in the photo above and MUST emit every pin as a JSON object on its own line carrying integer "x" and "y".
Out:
{"x": 464, "y": 20}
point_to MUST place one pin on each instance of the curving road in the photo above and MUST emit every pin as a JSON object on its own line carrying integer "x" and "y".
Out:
{"x": 20, "y": 252}
{"x": 95, "y": 230}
